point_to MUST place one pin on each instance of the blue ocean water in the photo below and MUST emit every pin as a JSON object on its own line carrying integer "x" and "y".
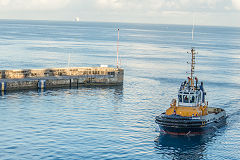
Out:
{"x": 116, "y": 122}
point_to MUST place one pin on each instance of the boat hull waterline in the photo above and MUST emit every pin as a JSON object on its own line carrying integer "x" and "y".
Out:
{"x": 178, "y": 125}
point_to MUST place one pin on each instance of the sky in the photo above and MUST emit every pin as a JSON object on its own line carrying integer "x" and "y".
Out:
{"x": 204, "y": 12}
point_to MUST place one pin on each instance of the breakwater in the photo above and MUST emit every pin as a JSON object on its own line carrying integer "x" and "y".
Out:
{"x": 59, "y": 77}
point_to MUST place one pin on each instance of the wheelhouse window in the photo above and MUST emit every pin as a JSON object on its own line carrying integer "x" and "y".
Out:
{"x": 185, "y": 99}
{"x": 179, "y": 98}
{"x": 192, "y": 99}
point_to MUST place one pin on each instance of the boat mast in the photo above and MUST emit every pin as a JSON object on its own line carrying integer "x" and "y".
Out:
{"x": 193, "y": 58}
{"x": 117, "y": 47}
{"x": 193, "y": 62}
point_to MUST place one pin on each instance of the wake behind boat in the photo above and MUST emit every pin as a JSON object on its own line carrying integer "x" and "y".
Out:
{"x": 190, "y": 114}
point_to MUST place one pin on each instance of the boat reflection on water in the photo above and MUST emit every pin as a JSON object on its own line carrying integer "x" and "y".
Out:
{"x": 183, "y": 147}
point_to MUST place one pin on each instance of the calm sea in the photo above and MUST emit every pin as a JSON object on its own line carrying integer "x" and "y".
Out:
{"x": 116, "y": 122}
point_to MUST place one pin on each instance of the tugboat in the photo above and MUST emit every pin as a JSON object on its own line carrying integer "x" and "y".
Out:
{"x": 190, "y": 114}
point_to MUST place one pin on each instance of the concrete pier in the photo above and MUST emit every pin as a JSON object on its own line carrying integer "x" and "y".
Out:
{"x": 59, "y": 77}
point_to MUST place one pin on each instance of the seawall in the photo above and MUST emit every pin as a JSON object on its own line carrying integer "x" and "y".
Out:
{"x": 59, "y": 77}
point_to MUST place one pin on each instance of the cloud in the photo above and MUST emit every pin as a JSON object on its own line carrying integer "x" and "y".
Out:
{"x": 166, "y": 5}
{"x": 26, "y": 5}
{"x": 115, "y": 4}
{"x": 4, "y": 2}
{"x": 156, "y": 6}
{"x": 143, "y": 11}
{"x": 236, "y": 4}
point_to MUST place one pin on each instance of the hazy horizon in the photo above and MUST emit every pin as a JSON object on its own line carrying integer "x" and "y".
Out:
{"x": 147, "y": 23}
